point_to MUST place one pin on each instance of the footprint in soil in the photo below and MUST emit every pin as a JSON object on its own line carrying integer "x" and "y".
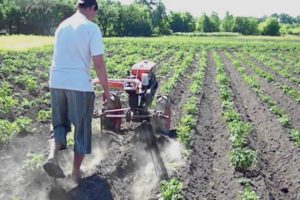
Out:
{"x": 90, "y": 188}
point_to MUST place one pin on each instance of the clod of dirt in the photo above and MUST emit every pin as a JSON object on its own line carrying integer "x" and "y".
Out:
{"x": 284, "y": 190}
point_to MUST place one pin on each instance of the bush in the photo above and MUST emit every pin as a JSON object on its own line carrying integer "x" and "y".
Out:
{"x": 269, "y": 27}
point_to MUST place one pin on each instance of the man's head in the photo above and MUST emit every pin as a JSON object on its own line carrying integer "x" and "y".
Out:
{"x": 88, "y": 8}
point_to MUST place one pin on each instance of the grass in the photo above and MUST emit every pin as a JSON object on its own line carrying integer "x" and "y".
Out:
{"x": 24, "y": 42}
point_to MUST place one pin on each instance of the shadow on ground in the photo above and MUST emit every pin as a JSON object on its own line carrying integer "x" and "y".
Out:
{"x": 91, "y": 188}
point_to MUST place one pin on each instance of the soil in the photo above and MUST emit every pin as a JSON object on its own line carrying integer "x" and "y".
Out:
{"x": 122, "y": 166}
{"x": 278, "y": 157}
{"x": 275, "y": 74}
{"x": 207, "y": 174}
{"x": 285, "y": 102}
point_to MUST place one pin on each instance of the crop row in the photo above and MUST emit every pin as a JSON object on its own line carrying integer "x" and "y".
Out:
{"x": 240, "y": 156}
{"x": 273, "y": 106}
{"x": 281, "y": 68}
{"x": 290, "y": 91}
{"x": 172, "y": 189}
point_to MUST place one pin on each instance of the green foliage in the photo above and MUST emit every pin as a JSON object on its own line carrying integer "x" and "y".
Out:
{"x": 28, "y": 81}
{"x": 242, "y": 158}
{"x": 227, "y": 105}
{"x": 135, "y": 21}
{"x": 184, "y": 129}
{"x": 225, "y": 93}
{"x": 291, "y": 92}
{"x": 206, "y": 24}
{"x": 276, "y": 110}
{"x": 40, "y": 16}
{"x": 70, "y": 139}
{"x": 245, "y": 26}
{"x": 34, "y": 162}
{"x": 295, "y": 134}
{"x": 108, "y": 17}
{"x": 238, "y": 130}
{"x": 222, "y": 79}
{"x": 267, "y": 99}
{"x": 269, "y": 27}
{"x": 34, "y": 16}
{"x": 183, "y": 133}
{"x": 160, "y": 19}
{"x": 23, "y": 124}
{"x": 188, "y": 120}
{"x": 227, "y": 23}
{"x": 251, "y": 82}
{"x": 171, "y": 190}
{"x": 249, "y": 194}
{"x": 230, "y": 115}
{"x": 7, "y": 129}
{"x": 195, "y": 86}
{"x": 190, "y": 107}
{"x": 284, "y": 120}
{"x": 26, "y": 104}
{"x": 7, "y": 102}
{"x": 181, "y": 22}
{"x": 43, "y": 116}
{"x": 293, "y": 29}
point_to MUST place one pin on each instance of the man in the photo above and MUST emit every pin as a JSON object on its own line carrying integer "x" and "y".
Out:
{"x": 77, "y": 41}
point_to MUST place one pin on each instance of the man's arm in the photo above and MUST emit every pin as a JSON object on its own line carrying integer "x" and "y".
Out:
{"x": 101, "y": 73}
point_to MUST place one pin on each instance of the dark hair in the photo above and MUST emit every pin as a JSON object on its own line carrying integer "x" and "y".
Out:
{"x": 88, "y": 4}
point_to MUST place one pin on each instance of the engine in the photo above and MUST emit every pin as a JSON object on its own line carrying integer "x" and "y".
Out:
{"x": 144, "y": 71}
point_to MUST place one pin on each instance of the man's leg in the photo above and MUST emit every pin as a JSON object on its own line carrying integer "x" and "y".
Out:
{"x": 61, "y": 126}
{"x": 54, "y": 149}
{"x": 76, "y": 165}
{"x": 81, "y": 105}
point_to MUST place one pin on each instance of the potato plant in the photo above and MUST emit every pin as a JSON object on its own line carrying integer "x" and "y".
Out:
{"x": 171, "y": 190}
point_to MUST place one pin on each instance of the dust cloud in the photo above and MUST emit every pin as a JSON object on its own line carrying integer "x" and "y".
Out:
{"x": 146, "y": 179}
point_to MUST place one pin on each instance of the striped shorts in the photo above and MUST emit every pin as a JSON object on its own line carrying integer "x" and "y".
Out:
{"x": 69, "y": 106}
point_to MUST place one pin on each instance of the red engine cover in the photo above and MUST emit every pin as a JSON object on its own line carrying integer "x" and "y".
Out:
{"x": 141, "y": 67}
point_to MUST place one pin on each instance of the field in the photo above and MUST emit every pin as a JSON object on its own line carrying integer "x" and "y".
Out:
{"x": 235, "y": 111}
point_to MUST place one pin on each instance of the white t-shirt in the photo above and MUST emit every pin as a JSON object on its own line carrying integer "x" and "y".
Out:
{"x": 76, "y": 40}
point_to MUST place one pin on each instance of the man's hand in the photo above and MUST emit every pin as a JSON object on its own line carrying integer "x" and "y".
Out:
{"x": 95, "y": 81}
{"x": 106, "y": 96}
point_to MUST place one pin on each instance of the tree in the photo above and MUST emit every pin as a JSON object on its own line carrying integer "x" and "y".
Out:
{"x": 216, "y": 21}
{"x": 206, "y": 24}
{"x": 270, "y": 27}
{"x": 150, "y": 4}
{"x": 245, "y": 25}
{"x": 12, "y": 16}
{"x": 157, "y": 11}
{"x": 297, "y": 19}
{"x": 159, "y": 14}
{"x": 261, "y": 19}
{"x": 134, "y": 20}
{"x": 181, "y": 22}
{"x": 285, "y": 18}
{"x": 227, "y": 23}
{"x": 189, "y": 22}
{"x": 2, "y": 17}
{"x": 108, "y": 16}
